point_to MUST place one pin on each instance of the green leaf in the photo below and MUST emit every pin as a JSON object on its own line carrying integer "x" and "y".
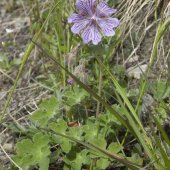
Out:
{"x": 104, "y": 152}
{"x": 136, "y": 159}
{"x": 111, "y": 118}
{"x": 119, "y": 70}
{"x": 44, "y": 163}
{"x": 33, "y": 152}
{"x": 115, "y": 147}
{"x": 91, "y": 130}
{"x": 61, "y": 127}
{"x": 75, "y": 96}
{"x": 16, "y": 61}
{"x": 47, "y": 110}
{"x": 4, "y": 62}
{"x": 66, "y": 167}
{"x": 99, "y": 141}
{"x": 76, "y": 132}
{"x": 76, "y": 158}
{"x": 65, "y": 145}
{"x": 162, "y": 115}
{"x": 102, "y": 164}
{"x": 161, "y": 89}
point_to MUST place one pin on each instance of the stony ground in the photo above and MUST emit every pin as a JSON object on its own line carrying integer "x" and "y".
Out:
{"x": 14, "y": 36}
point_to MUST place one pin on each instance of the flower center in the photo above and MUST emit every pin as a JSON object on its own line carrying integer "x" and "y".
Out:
{"x": 93, "y": 17}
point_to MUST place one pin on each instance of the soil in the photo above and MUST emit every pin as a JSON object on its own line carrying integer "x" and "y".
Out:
{"x": 14, "y": 36}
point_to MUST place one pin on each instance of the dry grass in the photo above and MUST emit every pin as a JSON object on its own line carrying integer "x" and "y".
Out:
{"x": 139, "y": 24}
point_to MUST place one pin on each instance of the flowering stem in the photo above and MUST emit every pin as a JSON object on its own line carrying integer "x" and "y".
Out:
{"x": 62, "y": 62}
{"x": 99, "y": 92}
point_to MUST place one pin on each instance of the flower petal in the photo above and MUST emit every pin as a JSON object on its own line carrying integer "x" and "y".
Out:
{"x": 86, "y": 35}
{"x": 78, "y": 26}
{"x": 103, "y": 10}
{"x": 85, "y": 7}
{"x": 107, "y": 25}
{"x": 74, "y": 18}
{"x": 91, "y": 33}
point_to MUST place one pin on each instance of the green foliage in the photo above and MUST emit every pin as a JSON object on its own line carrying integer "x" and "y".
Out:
{"x": 61, "y": 126}
{"x": 75, "y": 96}
{"x": 47, "y": 110}
{"x": 161, "y": 89}
{"x": 92, "y": 142}
{"x": 76, "y": 158}
{"x": 136, "y": 159}
{"x": 33, "y": 151}
{"x": 6, "y": 64}
{"x": 36, "y": 151}
{"x": 115, "y": 147}
{"x": 102, "y": 164}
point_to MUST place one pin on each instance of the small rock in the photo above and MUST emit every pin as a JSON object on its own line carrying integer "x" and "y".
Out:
{"x": 21, "y": 54}
{"x": 136, "y": 72}
{"x": 9, "y": 31}
{"x": 133, "y": 59}
{"x": 8, "y": 147}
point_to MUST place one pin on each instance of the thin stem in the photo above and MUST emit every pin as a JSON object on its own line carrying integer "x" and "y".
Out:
{"x": 99, "y": 92}
{"x": 156, "y": 10}
{"x": 62, "y": 62}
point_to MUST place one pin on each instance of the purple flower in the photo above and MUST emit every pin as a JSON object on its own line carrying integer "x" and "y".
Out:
{"x": 93, "y": 20}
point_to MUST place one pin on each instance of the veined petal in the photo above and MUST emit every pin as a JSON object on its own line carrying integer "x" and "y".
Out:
{"x": 108, "y": 32}
{"x": 74, "y": 18}
{"x": 108, "y": 22}
{"x": 107, "y": 25}
{"x": 78, "y": 26}
{"x": 86, "y": 35}
{"x": 96, "y": 38}
{"x": 85, "y": 7}
{"x": 103, "y": 10}
{"x": 91, "y": 33}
